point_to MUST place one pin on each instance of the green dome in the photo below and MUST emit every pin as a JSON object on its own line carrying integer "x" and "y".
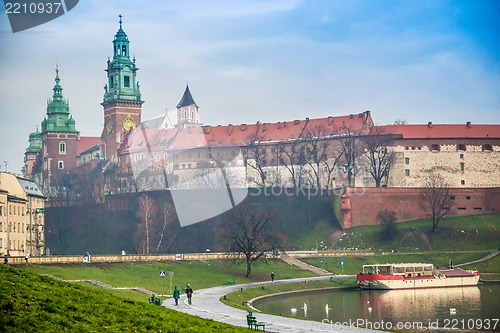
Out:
{"x": 71, "y": 121}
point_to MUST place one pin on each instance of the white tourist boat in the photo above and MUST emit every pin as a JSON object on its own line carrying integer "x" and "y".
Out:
{"x": 412, "y": 276}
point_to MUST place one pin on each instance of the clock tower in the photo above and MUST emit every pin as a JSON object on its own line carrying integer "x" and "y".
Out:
{"x": 122, "y": 97}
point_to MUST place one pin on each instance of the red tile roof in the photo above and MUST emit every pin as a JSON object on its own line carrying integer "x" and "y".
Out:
{"x": 443, "y": 131}
{"x": 85, "y": 143}
{"x": 242, "y": 135}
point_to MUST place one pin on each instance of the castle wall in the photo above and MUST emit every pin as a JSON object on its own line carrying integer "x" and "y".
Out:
{"x": 364, "y": 204}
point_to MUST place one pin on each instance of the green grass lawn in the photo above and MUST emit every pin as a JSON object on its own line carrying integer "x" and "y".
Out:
{"x": 34, "y": 303}
{"x": 456, "y": 233}
{"x": 200, "y": 274}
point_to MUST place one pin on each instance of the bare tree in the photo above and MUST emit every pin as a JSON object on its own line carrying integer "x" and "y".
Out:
{"x": 292, "y": 156}
{"x": 166, "y": 217}
{"x": 378, "y": 159}
{"x": 255, "y": 159}
{"x": 247, "y": 230}
{"x": 146, "y": 214}
{"x": 349, "y": 152}
{"x": 317, "y": 147}
{"x": 435, "y": 198}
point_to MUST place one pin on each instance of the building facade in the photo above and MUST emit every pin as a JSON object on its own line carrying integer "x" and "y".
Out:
{"x": 22, "y": 221}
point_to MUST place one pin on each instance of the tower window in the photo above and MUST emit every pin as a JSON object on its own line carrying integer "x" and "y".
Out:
{"x": 60, "y": 165}
{"x": 62, "y": 148}
{"x": 111, "y": 82}
{"x": 126, "y": 81}
{"x": 461, "y": 148}
{"x": 435, "y": 147}
{"x": 407, "y": 172}
{"x": 124, "y": 50}
{"x": 462, "y": 167}
{"x": 407, "y": 160}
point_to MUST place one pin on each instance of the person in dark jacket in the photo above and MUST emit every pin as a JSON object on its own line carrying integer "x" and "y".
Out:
{"x": 189, "y": 293}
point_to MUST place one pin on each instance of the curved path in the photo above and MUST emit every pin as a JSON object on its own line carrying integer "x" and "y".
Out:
{"x": 206, "y": 304}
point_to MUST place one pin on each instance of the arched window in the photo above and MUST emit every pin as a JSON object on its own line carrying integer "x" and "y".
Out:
{"x": 62, "y": 148}
{"x": 461, "y": 147}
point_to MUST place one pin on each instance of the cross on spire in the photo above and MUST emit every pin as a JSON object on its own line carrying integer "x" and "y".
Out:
{"x": 120, "y": 16}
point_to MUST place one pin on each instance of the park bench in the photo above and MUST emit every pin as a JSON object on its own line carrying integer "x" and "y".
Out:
{"x": 231, "y": 281}
{"x": 254, "y": 324}
{"x": 154, "y": 300}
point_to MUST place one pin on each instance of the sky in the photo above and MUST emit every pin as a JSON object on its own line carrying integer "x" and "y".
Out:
{"x": 268, "y": 61}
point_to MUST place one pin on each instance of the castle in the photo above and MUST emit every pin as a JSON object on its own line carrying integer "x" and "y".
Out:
{"x": 346, "y": 151}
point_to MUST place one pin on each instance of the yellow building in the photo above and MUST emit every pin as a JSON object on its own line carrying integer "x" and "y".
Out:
{"x": 21, "y": 216}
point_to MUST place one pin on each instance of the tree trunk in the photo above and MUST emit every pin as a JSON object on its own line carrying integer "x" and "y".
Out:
{"x": 249, "y": 267}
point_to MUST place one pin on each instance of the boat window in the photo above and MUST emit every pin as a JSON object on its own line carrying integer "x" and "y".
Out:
{"x": 419, "y": 268}
{"x": 368, "y": 269}
{"x": 410, "y": 269}
{"x": 384, "y": 270}
{"x": 428, "y": 268}
{"x": 398, "y": 269}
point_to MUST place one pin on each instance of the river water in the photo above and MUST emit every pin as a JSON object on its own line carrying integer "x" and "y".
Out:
{"x": 469, "y": 309}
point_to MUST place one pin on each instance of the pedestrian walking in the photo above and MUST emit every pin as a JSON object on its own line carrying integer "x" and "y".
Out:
{"x": 177, "y": 295}
{"x": 272, "y": 277}
{"x": 6, "y": 260}
{"x": 189, "y": 293}
{"x": 27, "y": 258}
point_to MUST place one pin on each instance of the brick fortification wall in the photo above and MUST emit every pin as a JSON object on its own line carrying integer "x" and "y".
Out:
{"x": 360, "y": 206}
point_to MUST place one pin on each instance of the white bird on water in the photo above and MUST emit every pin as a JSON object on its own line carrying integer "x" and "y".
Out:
{"x": 294, "y": 310}
{"x": 327, "y": 309}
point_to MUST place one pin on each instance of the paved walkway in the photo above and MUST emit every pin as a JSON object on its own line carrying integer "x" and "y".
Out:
{"x": 491, "y": 255}
{"x": 206, "y": 304}
{"x": 306, "y": 266}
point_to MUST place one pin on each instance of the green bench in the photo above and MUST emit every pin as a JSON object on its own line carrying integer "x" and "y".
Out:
{"x": 231, "y": 281}
{"x": 254, "y": 324}
{"x": 154, "y": 300}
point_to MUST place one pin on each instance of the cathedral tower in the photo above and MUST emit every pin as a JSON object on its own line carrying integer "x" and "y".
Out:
{"x": 58, "y": 137}
{"x": 122, "y": 97}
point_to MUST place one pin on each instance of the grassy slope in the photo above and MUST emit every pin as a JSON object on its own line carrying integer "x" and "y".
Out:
{"x": 460, "y": 233}
{"x": 200, "y": 274}
{"x": 33, "y": 303}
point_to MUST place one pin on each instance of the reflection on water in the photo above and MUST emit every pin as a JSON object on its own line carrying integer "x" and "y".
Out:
{"x": 469, "y": 306}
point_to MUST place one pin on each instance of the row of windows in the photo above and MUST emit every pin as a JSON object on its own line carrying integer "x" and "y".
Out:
{"x": 460, "y": 147}
{"x": 12, "y": 227}
{"x": 126, "y": 81}
{"x": 20, "y": 245}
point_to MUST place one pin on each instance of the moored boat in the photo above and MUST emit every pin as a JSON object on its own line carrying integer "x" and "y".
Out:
{"x": 414, "y": 275}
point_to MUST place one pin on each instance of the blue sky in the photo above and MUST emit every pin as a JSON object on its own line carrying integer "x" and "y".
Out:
{"x": 270, "y": 61}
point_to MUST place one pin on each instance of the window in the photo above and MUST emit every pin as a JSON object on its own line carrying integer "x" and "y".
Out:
{"x": 462, "y": 182}
{"x": 62, "y": 148}
{"x": 126, "y": 81}
{"x": 407, "y": 160}
{"x": 487, "y": 147}
{"x": 124, "y": 50}
{"x": 462, "y": 167}
{"x": 462, "y": 156}
{"x": 60, "y": 165}
{"x": 452, "y": 197}
{"x": 461, "y": 147}
{"x": 435, "y": 147}
{"x": 407, "y": 172}
{"x": 467, "y": 197}
{"x": 111, "y": 81}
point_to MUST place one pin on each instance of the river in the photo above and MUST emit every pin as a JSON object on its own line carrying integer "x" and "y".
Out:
{"x": 469, "y": 309}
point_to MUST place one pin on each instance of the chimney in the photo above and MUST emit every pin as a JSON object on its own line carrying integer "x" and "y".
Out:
{"x": 350, "y": 116}
{"x": 206, "y": 129}
{"x": 284, "y": 124}
{"x": 243, "y": 127}
{"x": 429, "y": 124}
{"x": 229, "y": 129}
{"x": 296, "y": 121}
{"x": 278, "y": 124}
{"x": 360, "y": 115}
{"x": 469, "y": 124}
{"x": 330, "y": 119}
